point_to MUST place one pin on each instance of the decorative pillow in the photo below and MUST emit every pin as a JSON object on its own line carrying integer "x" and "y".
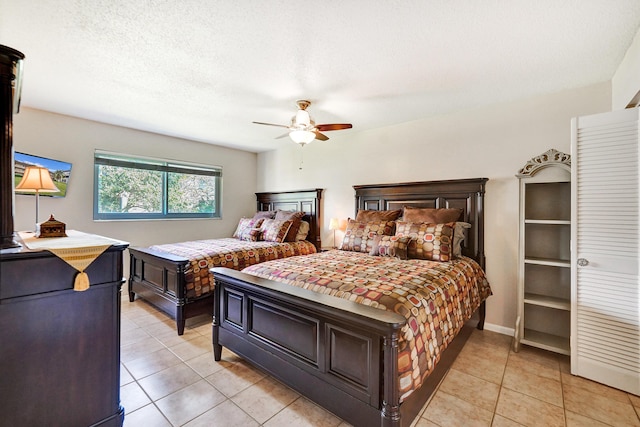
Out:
{"x": 275, "y": 230}
{"x": 458, "y": 237}
{"x": 251, "y": 234}
{"x": 264, "y": 215}
{"x": 377, "y": 216}
{"x": 390, "y": 246}
{"x": 246, "y": 224}
{"x": 296, "y": 218}
{"x": 431, "y": 215}
{"x": 359, "y": 235}
{"x": 432, "y": 242}
{"x": 303, "y": 231}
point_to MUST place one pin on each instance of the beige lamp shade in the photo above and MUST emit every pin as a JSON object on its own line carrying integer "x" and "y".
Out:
{"x": 334, "y": 224}
{"x": 37, "y": 179}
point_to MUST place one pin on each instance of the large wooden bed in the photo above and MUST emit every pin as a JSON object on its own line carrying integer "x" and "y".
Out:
{"x": 338, "y": 353}
{"x": 159, "y": 277}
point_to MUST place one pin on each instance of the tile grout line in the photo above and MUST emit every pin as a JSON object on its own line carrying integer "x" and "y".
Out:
{"x": 504, "y": 372}
{"x": 564, "y": 406}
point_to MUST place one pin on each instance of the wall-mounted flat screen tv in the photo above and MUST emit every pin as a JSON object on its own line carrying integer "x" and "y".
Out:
{"x": 60, "y": 172}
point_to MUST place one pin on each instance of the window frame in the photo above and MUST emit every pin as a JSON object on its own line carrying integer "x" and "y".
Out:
{"x": 165, "y": 166}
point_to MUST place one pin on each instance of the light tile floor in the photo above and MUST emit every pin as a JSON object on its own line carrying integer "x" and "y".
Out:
{"x": 168, "y": 380}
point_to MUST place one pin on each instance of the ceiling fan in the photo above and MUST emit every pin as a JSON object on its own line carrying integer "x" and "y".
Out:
{"x": 303, "y": 129}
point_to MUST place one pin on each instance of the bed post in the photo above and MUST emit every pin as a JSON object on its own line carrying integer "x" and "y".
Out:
{"x": 480, "y": 228}
{"x": 180, "y": 318}
{"x": 181, "y": 293}
{"x": 132, "y": 273}
{"x": 215, "y": 325}
{"x": 482, "y": 312}
{"x": 391, "y": 392}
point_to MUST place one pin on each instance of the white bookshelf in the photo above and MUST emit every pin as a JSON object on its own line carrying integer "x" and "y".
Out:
{"x": 544, "y": 256}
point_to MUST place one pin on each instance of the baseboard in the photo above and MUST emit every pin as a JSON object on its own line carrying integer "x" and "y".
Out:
{"x": 499, "y": 329}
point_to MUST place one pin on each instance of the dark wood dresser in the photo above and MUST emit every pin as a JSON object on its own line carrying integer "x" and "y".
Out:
{"x": 59, "y": 349}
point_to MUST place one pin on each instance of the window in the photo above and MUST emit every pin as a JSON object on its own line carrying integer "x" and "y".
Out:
{"x": 128, "y": 187}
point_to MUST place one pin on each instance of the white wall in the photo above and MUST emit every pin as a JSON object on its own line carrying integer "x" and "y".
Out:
{"x": 625, "y": 83}
{"x": 492, "y": 142}
{"x": 74, "y": 140}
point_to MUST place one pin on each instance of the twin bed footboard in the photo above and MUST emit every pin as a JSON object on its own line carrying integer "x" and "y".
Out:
{"x": 159, "y": 278}
{"x": 338, "y": 353}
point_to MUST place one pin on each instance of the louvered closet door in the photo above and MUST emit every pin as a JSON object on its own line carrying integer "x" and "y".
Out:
{"x": 605, "y": 338}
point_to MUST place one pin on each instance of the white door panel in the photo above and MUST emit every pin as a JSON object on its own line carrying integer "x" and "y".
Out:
{"x": 605, "y": 304}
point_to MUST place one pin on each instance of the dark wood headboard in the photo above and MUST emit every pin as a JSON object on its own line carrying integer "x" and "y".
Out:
{"x": 466, "y": 194}
{"x": 307, "y": 201}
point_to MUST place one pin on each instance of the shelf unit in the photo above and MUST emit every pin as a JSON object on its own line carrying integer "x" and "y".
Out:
{"x": 544, "y": 256}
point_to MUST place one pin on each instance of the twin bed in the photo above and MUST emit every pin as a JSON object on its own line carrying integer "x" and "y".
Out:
{"x": 176, "y": 279}
{"x": 367, "y": 337}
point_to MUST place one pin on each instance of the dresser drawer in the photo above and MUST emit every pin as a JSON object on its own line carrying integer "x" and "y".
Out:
{"x": 33, "y": 275}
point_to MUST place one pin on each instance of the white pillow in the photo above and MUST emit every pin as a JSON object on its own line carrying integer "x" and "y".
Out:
{"x": 458, "y": 237}
{"x": 303, "y": 231}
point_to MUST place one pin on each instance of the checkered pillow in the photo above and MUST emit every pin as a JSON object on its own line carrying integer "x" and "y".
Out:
{"x": 359, "y": 235}
{"x": 433, "y": 242}
{"x": 275, "y": 230}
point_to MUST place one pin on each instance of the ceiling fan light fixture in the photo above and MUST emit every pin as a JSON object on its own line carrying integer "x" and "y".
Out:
{"x": 302, "y": 137}
{"x": 303, "y": 129}
{"x": 302, "y": 118}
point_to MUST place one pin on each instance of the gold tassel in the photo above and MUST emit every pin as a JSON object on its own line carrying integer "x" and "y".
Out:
{"x": 82, "y": 282}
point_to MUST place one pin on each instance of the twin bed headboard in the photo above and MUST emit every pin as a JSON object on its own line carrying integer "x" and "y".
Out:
{"x": 465, "y": 194}
{"x": 307, "y": 201}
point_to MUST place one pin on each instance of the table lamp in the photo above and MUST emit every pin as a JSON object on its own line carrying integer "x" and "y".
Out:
{"x": 37, "y": 179}
{"x": 334, "y": 225}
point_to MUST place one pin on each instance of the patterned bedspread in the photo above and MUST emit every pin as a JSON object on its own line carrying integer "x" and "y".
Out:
{"x": 230, "y": 253}
{"x": 436, "y": 298}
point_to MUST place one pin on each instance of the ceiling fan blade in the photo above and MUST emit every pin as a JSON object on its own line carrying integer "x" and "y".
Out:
{"x": 270, "y": 124}
{"x": 282, "y": 136}
{"x": 334, "y": 126}
{"x": 321, "y": 137}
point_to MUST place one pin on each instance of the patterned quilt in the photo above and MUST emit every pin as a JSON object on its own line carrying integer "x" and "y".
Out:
{"x": 230, "y": 253}
{"x": 436, "y": 298}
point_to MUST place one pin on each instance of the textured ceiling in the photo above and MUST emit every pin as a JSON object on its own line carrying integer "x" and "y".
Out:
{"x": 204, "y": 70}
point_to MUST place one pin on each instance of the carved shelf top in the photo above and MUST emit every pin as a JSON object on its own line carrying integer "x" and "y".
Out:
{"x": 551, "y": 157}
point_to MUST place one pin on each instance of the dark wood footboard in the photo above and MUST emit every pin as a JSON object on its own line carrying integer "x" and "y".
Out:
{"x": 158, "y": 277}
{"x": 338, "y": 353}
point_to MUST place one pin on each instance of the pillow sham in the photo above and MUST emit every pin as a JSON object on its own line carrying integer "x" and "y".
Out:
{"x": 458, "y": 237}
{"x": 429, "y": 241}
{"x": 264, "y": 215}
{"x": 390, "y": 246}
{"x": 431, "y": 215}
{"x": 358, "y": 236}
{"x": 275, "y": 230}
{"x": 303, "y": 231}
{"x": 251, "y": 234}
{"x": 246, "y": 224}
{"x": 295, "y": 217}
{"x": 378, "y": 216}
